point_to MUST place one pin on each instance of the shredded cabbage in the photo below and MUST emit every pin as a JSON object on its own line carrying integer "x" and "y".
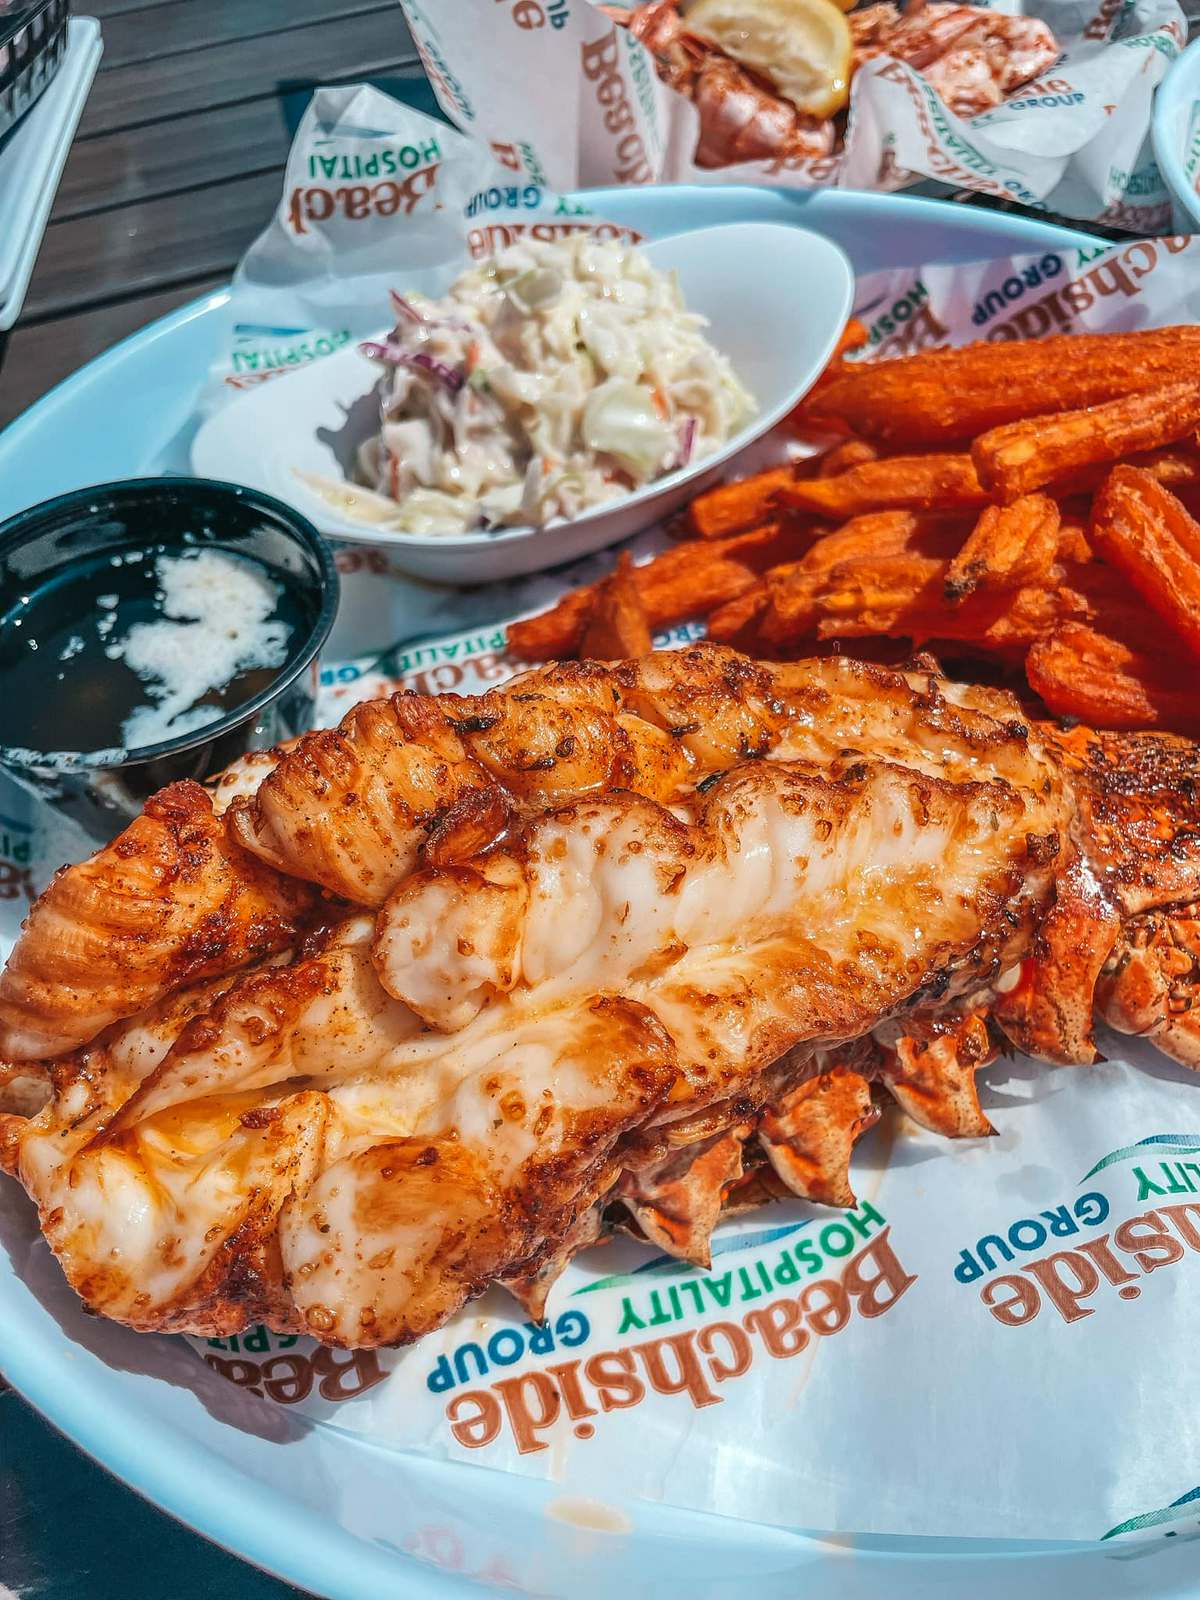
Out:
{"x": 551, "y": 378}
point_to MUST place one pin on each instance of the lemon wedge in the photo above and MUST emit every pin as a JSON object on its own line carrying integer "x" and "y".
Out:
{"x": 801, "y": 47}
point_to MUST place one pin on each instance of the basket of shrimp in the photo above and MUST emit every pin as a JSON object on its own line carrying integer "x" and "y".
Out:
{"x": 1046, "y": 104}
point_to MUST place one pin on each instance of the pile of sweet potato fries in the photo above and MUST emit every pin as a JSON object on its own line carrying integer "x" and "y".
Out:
{"x": 1026, "y": 503}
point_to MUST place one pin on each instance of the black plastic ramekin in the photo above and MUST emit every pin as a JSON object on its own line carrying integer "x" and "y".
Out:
{"x": 101, "y": 793}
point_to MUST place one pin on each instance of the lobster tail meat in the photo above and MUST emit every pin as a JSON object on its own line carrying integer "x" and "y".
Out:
{"x": 172, "y": 900}
{"x": 630, "y": 947}
{"x": 1150, "y": 984}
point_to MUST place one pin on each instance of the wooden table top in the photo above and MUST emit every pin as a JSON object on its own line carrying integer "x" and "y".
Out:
{"x": 179, "y": 157}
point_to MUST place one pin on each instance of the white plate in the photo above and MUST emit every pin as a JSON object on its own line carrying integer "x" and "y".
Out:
{"x": 33, "y": 162}
{"x": 776, "y": 299}
{"x": 314, "y": 1504}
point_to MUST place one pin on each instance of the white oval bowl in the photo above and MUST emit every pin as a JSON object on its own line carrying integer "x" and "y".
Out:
{"x": 776, "y": 299}
{"x": 1174, "y": 109}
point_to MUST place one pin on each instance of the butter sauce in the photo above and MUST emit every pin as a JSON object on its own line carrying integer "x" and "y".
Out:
{"x": 206, "y": 631}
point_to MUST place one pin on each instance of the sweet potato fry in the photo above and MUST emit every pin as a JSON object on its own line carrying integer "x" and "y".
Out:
{"x": 793, "y": 590}
{"x": 1112, "y": 606}
{"x": 852, "y": 337}
{"x": 945, "y": 397}
{"x": 1008, "y": 546}
{"x": 897, "y": 589}
{"x": 908, "y": 602}
{"x": 1141, "y": 529}
{"x": 616, "y": 627}
{"x": 882, "y": 595}
{"x": 737, "y": 621}
{"x": 1176, "y": 466}
{"x": 1019, "y": 457}
{"x": 850, "y": 453}
{"x": 883, "y": 533}
{"x": 1072, "y": 535}
{"x": 741, "y": 504}
{"x": 1002, "y": 623}
{"x": 687, "y": 580}
{"x": 552, "y": 634}
{"x": 915, "y": 483}
{"x": 1081, "y": 673}
{"x": 791, "y": 612}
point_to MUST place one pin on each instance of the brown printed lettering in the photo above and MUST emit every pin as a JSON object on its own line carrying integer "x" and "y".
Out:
{"x": 1036, "y": 320}
{"x": 922, "y": 331}
{"x": 826, "y": 1305}
{"x": 474, "y": 1428}
{"x": 600, "y": 59}
{"x": 686, "y": 1363}
{"x": 878, "y": 1292}
{"x": 780, "y": 1327}
{"x": 1065, "y": 1293}
{"x": 687, "y": 1376}
{"x": 1143, "y": 252}
{"x": 1021, "y": 1306}
{"x": 357, "y": 201}
{"x": 1101, "y": 24}
{"x": 1179, "y": 1218}
{"x": 1148, "y": 1241}
{"x": 566, "y": 1375}
{"x": 346, "y": 1373}
{"x": 1099, "y": 1251}
{"x": 740, "y": 1354}
{"x": 287, "y": 1379}
{"x": 532, "y": 1405}
{"x": 600, "y": 67}
{"x": 612, "y": 1372}
{"x": 495, "y": 236}
{"x": 1110, "y": 277}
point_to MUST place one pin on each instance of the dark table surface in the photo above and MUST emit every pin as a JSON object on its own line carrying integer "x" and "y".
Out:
{"x": 179, "y": 159}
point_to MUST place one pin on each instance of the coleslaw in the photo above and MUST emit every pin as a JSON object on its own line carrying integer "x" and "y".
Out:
{"x": 551, "y": 378}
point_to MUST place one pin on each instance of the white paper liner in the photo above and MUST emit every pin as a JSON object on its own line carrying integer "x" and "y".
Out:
{"x": 834, "y": 1371}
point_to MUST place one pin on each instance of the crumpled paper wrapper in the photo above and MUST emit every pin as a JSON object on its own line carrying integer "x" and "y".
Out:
{"x": 997, "y": 1340}
{"x": 565, "y": 98}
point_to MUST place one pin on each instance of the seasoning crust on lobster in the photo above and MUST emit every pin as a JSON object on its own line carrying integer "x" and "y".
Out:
{"x": 628, "y": 945}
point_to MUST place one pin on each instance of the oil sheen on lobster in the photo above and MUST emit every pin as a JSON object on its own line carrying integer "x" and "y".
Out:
{"x": 614, "y": 946}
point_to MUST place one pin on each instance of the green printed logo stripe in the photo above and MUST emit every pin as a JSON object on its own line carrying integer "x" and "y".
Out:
{"x": 1152, "y": 1519}
{"x": 263, "y": 330}
{"x": 1169, "y": 1143}
{"x": 662, "y": 1266}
